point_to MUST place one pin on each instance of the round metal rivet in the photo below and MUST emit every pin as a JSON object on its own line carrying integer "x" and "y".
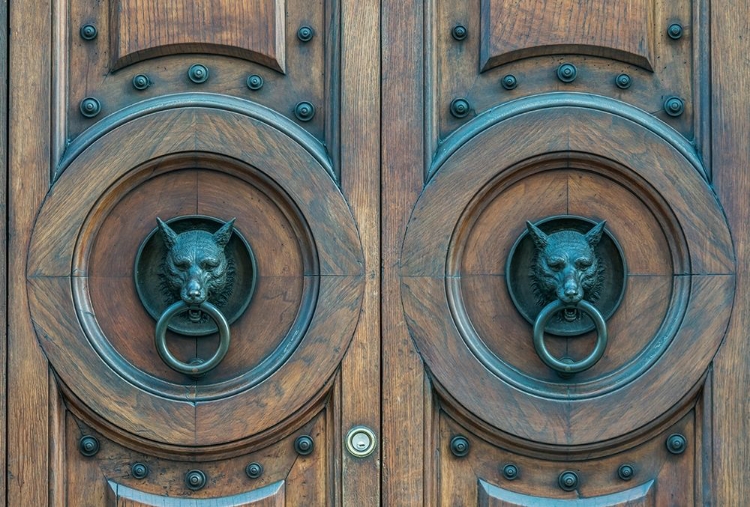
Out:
{"x": 88, "y": 446}
{"x": 198, "y": 73}
{"x": 305, "y": 33}
{"x": 674, "y": 31}
{"x": 459, "y": 32}
{"x": 460, "y": 108}
{"x": 141, "y": 82}
{"x": 255, "y": 82}
{"x": 304, "y": 111}
{"x": 360, "y": 441}
{"x": 623, "y": 81}
{"x": 460, "y": 446}
{"x": 674, "y": 106}
{"x": 88, "y": 32}
{"x": 626, "y": 472}
{"x": 254, "y": 470}
{"x": 195, "y": 480}
{"x": 510, "y": 472}
{"x": 509, "y": 82}
{"x": 676, "y": 443}
{"x": 90, "y": 107}
{"x": 567, "y": 72}
{"x": 304, "y": 445}
{"x": 568, "y": 481}
{"x": 139, "y": 470}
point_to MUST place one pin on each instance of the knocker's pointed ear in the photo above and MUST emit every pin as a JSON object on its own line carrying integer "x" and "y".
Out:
{"x": 223, "y": 235}
{"x": 595, "y": 235}
{"x": 541, "y": 240}
{"x": 167, "y": 234}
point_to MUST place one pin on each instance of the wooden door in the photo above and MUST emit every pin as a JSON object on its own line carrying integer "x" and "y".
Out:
{"x": 600, "y": 124}
{"x": 196, "y": 113}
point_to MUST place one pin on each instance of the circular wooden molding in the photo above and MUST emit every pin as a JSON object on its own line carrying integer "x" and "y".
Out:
{"x": 184, "y": 415}
{"x": 700, "y": 246}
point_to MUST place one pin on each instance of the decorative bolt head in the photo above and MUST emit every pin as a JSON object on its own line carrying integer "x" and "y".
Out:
{"x": 195, "y": 480}
{"x": 139, "y": 471}
{"x": 510, "y": 472}
{"x": 509, "y": 82}
{"x": 459, "y": 32}
{"x": 304, "y": 445}
{"x": 255, "y": 82}
{"x": 88, "y": 32}
{"x": 674, "y": 106}
{"x": 304, "y": 111}
{"x": 626, "y": 472}
{"x": 90, "y": 107}
{"x": 676, "y": 443}
{"x": 198, "y": 73}
{"x": 141, "y": 82}
{"x": 674, "y": 31}
{"x": 460, "y": 446}
{"x": 568, "y": 481}
{"x": 623, "y": 81}
{"x": 254, "y": 470}
{"x": 460, "y": 108}
{"x": 305, "y": 33}
{"x": 567, "y": 72}
{"x": 88, "y": 446}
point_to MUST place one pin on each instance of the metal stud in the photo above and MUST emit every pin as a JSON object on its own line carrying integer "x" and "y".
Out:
{"x": 509, "y": 82}
{"x": 304, "y": 445}
{"x": 568, "y": 481}
{"x": 139, "y": 471}
{"x": 676, "y": 443}
{"x": 254, "y": 470}
{"x": 141, "y": 82}
{"x": 510, "y": 472}
{"x": 90, "y": 107}
{"x": 459, "y": 32}
{"x": 304, "y": 111}
{"x": 305, "y": 33}
{"x": 88, "y": 446}
{"x": 567, "y": 72}
{"x": 195, "y": 480}
{"x": 626, "y": 472}
{"x": 460, "y": 446}
{"x": 675, "y": 31}
{"x": 623, "y": 81}
{"x": 88, "y": 32}
{"x": 674, "y": 106}
{"x": 460, "y": 108}
{"x": 255, "y": 82}
{"x": 198, "y": 73}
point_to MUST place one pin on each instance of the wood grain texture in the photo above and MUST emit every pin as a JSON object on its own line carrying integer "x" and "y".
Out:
{"x": 617, "y": 30}
{"x": 730, "y": 101}
{"x": 4, "y": 251}
{"x": 143, "y": 29}
{"x": 29, "y": 170}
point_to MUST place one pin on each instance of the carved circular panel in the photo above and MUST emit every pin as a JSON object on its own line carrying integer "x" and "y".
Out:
{"x": 300, "y": 270}
{"x": 579, "y": 157}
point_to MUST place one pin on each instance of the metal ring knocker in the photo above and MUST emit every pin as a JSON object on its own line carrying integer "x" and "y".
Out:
{"x": 557, "y": 364}
{"x": 194, "y": 370}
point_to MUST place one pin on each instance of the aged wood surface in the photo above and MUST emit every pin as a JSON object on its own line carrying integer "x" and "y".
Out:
{"x": 4, "y": 252}
{"x": 730, "y": 100}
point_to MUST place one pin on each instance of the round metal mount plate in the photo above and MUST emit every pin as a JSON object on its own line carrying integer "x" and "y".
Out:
{"x": 360, "y": 441}
{"x": 518, "y": 276}
{"x": 156, "y": 297}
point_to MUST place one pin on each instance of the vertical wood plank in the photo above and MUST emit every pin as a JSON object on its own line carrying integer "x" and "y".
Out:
{"x": 28, "y": 161}
{"x": 360, "y": 180}
{"x": 3, "y": 234}
{"x": 730, "y": 25}
{"x": 402, "y": 163}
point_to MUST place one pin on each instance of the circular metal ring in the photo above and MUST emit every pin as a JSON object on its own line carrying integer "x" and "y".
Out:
{"x": 556, "y": 364}
{"x": 194, "y": 370}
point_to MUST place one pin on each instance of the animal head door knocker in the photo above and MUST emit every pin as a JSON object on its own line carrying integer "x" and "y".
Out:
{"x": 567, "y": 277}
{"x": 194, "y": 280}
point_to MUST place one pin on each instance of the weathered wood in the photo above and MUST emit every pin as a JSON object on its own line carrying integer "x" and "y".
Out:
{"x": 4, "y": 253}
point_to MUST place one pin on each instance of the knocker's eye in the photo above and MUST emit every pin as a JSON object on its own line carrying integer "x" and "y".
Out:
{"x": 182, "y": 263}
{"x": 210, "y": 264}
{"x": 584, "y": 263}
{"x": 556, "y": 263}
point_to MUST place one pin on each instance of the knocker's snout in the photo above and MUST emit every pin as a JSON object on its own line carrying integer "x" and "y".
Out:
{"x": 193, "y": 293}
{"x": 571, "y": 290}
